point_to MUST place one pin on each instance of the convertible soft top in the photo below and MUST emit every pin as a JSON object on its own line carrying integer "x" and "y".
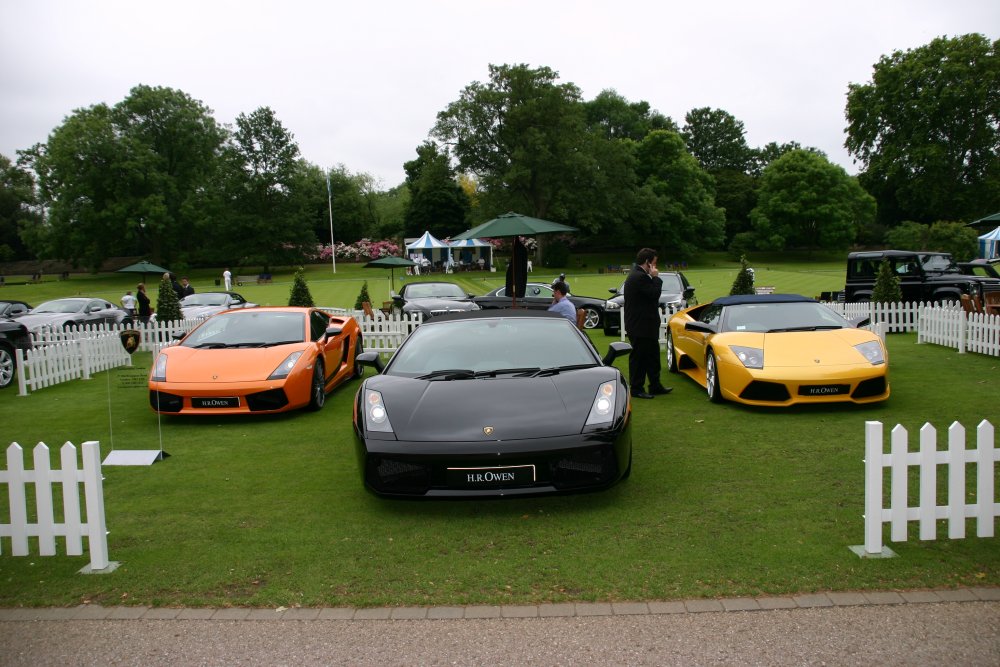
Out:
{"x": 738, "y": 299}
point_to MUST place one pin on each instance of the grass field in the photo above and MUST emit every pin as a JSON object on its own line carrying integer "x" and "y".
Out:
{"x": 723, "y": 500}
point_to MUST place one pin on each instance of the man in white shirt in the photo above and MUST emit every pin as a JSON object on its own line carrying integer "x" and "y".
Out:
{"x": 227, "y": 279}
{"x": 561, "y": 303}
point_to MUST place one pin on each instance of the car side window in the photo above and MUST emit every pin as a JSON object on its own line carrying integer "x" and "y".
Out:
{"x": 318, "y": 322}
{"x": 237, "y": 299}
{"x": 906, "y": 266}
{"x": 711, "y": 314}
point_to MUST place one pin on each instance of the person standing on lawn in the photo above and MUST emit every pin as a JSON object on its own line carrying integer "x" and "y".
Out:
{"x": 642, "y": 325}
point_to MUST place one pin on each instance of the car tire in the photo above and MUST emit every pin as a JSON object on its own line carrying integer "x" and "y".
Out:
{"x": 712, "y": 385}
{"x": 592, "y": 318}
{"x": 359, "y": 369}
{"x": 671, "y": 352}
{"x": 317, "y": 389}
{"x": 7, "y": 366}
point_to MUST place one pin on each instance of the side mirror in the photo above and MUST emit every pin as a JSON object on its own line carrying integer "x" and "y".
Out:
{"x": 334, "y": 331}
{"x": 613, "y": 290}
{"x": 615, "y": 350}
{"x": 688, "y": 292}
{"x": 859, "y": 322}
{"x": 372, "y": 359}
{"x": 702, "y": 327}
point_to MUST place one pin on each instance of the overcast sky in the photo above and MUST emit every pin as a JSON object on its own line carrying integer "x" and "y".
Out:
{"x": 360, "y": 83}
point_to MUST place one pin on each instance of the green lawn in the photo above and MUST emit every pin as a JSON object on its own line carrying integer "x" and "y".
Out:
{"x": 723, "y": 500}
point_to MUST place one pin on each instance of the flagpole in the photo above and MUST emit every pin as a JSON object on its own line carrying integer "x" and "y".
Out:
{"x": 329, "y": 201}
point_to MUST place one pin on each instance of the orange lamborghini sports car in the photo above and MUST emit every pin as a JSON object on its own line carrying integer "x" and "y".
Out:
{"x": 256, "y": 360}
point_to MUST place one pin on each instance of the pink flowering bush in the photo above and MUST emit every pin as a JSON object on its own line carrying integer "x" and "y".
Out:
{"x": 362, "y": 250}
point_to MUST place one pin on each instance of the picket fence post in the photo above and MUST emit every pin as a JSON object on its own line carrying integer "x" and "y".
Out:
{"x": 46, "y": 527}
{"x": 899, "y": 461}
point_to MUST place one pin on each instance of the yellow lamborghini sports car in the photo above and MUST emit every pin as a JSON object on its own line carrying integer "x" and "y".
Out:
{"x": 777, "y": 349}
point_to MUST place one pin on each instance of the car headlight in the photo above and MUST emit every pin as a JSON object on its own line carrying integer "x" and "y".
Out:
{"x": 603, "y": 409}
{"x": 751, "y": 357}
{"x": 285, "y": 367}
{"x": 376, "y": 416}
{"x": 160, "y": 369}
{"x": 612, "y": 305}
{"x": 872, "y": 351}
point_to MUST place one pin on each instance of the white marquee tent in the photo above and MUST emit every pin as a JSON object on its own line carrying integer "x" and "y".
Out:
{"x": 430, "y": 248}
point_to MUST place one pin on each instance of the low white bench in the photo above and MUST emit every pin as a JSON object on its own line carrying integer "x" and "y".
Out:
{"x": 767, "y": 289}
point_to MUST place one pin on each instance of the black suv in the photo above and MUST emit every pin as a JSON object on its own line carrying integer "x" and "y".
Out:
{"x": 923, "y": 276}
{"x": 12, "y": 336}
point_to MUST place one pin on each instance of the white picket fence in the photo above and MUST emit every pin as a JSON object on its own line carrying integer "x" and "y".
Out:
{"x": 61, "y": 355}
{"x": 928, "y": 512}
{"x": 47, "y": 525}
{"x": 966, "y": 332}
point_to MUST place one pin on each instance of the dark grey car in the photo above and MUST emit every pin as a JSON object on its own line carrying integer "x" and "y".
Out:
{"x": 676, "y": 294}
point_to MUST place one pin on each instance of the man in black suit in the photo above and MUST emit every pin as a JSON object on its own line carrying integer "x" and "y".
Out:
{"x": 642, "y": 325}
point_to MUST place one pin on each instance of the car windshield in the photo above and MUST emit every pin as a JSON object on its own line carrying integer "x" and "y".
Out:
{"x": 492, "y": 344}
{"x": 671, "y": 284}
{"x": 434, "y": 291}
{"x": 61, "y": 306}
{"x": 206, "y": 299}
{"x": 772, "y": 317}
{"x": 248, "y": 328}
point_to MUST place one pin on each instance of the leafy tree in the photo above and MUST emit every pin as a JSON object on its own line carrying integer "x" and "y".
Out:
{"x": 300, "y": 294}
{"x": 363, "y": 296}
{"x": 955, "y": 238}
{"x": 17, "y": 200}
{"x": 131, "y": 177}
{"x": 926, "y": 129}
{"x": 168, "y": 306}
{"x": 613, "y": 117}
{"x": 806, "y": 201}
{"x": 519, "y": 134}
{"x": 268, "y": 224}
{"x": 908, "y": 235}
{"x": 743, "y": 284}
{"x": 717, "y": 139}
{"x": 676, "y": 197}
{"x": 438, "y": 203}
{"x": 886, "y": 289}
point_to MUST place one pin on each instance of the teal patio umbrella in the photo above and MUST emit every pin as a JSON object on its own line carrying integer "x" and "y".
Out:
{"x": 390, "y": 263}
{"x": 516, "y": 225}
{"x": 143, "y": 267}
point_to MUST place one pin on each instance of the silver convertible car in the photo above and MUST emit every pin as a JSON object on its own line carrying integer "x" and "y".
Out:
{"x": 73, "y": 312}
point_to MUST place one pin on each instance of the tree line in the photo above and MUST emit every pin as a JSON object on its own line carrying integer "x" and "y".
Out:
{"x": 157, "y": 175}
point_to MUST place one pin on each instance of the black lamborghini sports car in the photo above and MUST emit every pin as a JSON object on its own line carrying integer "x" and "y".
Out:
{"x": 494, "y": 403}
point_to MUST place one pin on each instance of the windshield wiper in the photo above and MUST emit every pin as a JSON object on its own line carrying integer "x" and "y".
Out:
{"x": 210, "y": 346}
{"x": 555, "y": 370}
{"x": 448, "y": 374}
{"x": 280, "y": 342}
{"x": 817, "y": 327}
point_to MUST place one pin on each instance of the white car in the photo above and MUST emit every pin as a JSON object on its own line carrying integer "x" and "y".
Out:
{"x": 204, "y": 305}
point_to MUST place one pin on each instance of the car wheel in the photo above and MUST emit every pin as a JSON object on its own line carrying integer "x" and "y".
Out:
{"x": 671, "y": 353}
{"x": 359, "y": 368}
{"x": 712, "y": 378}
{"x": 592, "y": 318}
{"x": 6, "y": 366}
{"x": 317, "y": 397}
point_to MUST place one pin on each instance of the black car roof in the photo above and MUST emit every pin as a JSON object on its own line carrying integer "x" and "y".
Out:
{"x": 739, "y": 299}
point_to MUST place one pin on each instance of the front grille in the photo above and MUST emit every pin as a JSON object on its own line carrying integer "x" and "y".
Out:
{"x": 163, "y": 402}
{"x": 272, "y": 399}
{"x": 765, "y": 391}
{"x": 394, "y": 476}
{"x": 870, "y": 388}
{"x": 585, "y": 467}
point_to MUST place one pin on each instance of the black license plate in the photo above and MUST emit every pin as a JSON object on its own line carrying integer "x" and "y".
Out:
{"x": 492, "y": 477}
{"x": 824, "y": 389}
{"x": 219, "y": 402}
